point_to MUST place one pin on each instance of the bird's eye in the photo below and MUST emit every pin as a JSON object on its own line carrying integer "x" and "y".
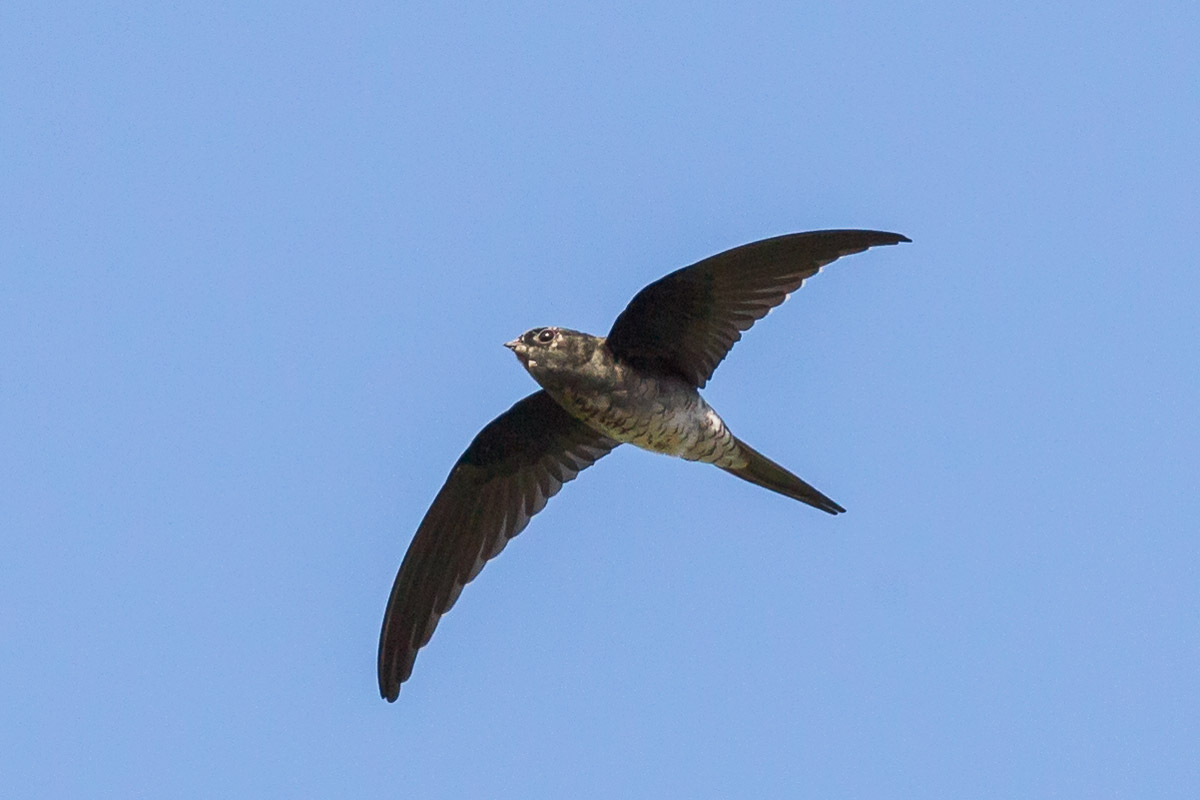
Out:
{"x": 546, "y": 336}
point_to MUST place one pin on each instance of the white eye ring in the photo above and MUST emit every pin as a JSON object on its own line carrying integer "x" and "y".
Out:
{"x": 546, "y": 336}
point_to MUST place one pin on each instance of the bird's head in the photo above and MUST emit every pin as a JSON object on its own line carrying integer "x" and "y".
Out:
{"x": 547, "y": 352}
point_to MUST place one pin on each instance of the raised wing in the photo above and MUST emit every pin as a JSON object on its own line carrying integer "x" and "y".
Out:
{"x": 685, "y": 323}
{"x": 516, "y": 463}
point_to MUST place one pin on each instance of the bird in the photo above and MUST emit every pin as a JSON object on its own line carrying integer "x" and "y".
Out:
{"x": 638, "y": 385}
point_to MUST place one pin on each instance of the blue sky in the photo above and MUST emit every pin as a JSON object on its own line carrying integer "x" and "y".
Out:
{"x": 258, "y": 264}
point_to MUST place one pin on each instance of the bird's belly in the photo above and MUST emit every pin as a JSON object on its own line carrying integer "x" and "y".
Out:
{"x": 685, "y": 427}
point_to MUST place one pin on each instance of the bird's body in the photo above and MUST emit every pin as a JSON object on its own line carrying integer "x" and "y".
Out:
{"x": 637, "y": 385}
{"x": 660, "y": 413}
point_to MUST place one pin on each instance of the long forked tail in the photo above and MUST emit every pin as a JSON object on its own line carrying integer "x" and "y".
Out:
{"x": 764, "y": 472}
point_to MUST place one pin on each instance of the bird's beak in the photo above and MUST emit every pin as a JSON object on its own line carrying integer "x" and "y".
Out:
{"x": 513, "y": 344}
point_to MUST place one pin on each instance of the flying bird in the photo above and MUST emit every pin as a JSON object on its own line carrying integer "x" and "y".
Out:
{"x": 638, "y": 385}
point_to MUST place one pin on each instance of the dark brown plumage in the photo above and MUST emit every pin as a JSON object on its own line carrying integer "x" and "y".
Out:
{"x": 638, "y": 385}
{"x": 516, "y": 463}
{"x": 687, "y": 322}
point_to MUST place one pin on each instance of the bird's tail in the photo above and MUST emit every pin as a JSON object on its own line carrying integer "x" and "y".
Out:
{"x": 764, "y": 472}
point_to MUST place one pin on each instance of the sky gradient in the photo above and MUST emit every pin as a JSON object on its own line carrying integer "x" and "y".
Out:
{"x": 258, "y": 266}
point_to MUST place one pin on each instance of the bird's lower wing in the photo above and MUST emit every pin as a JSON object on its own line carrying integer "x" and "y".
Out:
{"x": 516, "y": 463}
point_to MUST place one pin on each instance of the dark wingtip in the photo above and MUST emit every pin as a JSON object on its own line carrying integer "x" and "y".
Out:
{"x": 389, "y": 687}
{"x": 859, "y": 236}
{"x": 892, "y": 238}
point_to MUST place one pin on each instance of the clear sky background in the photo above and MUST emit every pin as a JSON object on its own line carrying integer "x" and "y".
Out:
{"x": 256, "y": 267}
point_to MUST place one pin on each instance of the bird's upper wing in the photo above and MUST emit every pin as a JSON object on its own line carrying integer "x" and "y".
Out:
{"x": 516, "y": 463}
{"x": 685, "y": 323}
